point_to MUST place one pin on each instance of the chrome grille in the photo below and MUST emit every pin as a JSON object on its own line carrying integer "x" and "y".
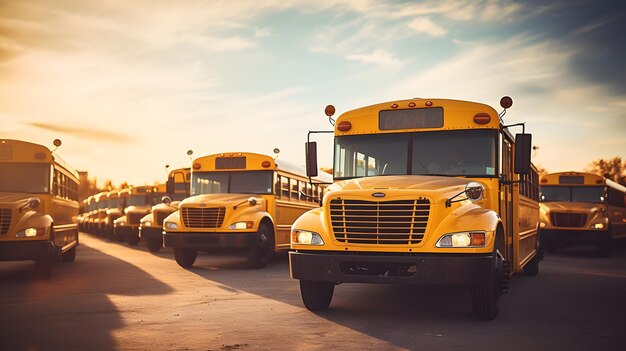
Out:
{"x": 398, "y": 222}
{"x": 212, "y": 217}
{"x": 135, "y": 218}
{"x": 5, "y": 220}
{"x": 571, "y": 220}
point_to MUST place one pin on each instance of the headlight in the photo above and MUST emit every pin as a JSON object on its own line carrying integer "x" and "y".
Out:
{"x": 465, "y": 239}
{"x": 304, "y": 237}
{"x": 241, "y": 225}
{"x": 31, "y": 232}
{"x": 170, "y": 225}
{"x": 597, "y": 226}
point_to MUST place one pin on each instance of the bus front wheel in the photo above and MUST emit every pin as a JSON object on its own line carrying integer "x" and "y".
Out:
{"x": 185, "y": 257}
{"x": 316, "y": 295}
{"x": 154, "y": 244}
{"x": 486, "y": 297}
{"x": 260, "y": 251}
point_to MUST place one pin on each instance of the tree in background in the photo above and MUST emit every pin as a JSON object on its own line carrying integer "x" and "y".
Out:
{"x": 614, "y": 169}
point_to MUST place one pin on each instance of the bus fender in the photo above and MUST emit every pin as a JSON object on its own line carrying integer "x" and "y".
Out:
{"x": 34, "y": 219}
{"x": 470, "y": 217}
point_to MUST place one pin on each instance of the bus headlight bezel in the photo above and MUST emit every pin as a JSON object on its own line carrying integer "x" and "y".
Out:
{"x": 31, "y": 232}
{"x": 306, "y": 237}
{"x": 170, "y": 225}
{"x": 241, "y": 225}
{"x": 469, "y": 239}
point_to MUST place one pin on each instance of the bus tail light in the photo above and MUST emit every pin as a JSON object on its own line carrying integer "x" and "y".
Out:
{"x": 344, "y": 126}
{"x": 482, "y": 118}
{"x": 266, "y": 164}
{"x": 196, "y": 166}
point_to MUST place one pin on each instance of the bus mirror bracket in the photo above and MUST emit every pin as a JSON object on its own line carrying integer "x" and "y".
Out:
{"x": 523, "y": 147}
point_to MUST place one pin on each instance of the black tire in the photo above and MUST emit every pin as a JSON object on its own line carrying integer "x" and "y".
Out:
{"x": 154, "y": 244}
{"x": 43, "y": 268}
{"x": 185, "y": 257}
{"x": 69, "y": 255}
{"x": 532, "y": 267}
{"x": 486, "y": 297}
{"x": 316, "y": 295}
{"x": 261, "y": 250}
{"x": 132, "y": 238}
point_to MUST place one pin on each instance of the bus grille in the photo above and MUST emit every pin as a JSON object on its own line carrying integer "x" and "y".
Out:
{"x": 5, "y": 220}
{"x": 571, "y": 220}
{"x": 203, "y": 217}
{"x": 379, "y": 223}
{"x": 135, "y": 218}
{"x": 159, "y": 216}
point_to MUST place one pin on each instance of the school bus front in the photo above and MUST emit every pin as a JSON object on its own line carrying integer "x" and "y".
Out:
{"x": 233, "y": 205}
{"x": 420, "y": 197}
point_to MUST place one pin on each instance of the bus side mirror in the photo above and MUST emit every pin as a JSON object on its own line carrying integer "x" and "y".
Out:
{"x": 311, "y": 158}
{"x": 523, "y": 146}
{"x": 169, "y": 186}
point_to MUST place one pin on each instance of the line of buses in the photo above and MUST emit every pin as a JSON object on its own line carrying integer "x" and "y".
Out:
{"x": 423, "y": 192}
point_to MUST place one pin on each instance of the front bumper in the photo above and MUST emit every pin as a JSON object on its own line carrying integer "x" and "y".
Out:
{"x": 387, "y": 268}
{"x": 195, "y": 240}
{"x": 151, "y": 232}
{"x": 25, "y": 250}
{"x": 573, "y": 237}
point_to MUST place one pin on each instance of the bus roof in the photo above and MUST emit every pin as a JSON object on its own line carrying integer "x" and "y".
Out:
{"x": 417, "y": 115}
{"x": 573, "y": 178}
{"x": 233, "y": 161}
{"x": 25, "y": 151}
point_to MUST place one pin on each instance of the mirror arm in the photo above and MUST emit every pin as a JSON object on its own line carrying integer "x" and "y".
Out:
{"x": 523, "y": 124}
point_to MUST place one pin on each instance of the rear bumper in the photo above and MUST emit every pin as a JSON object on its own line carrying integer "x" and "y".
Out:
{"x": 201, "y": 241}
{"x": 25, "y": 250}
{"x": 414, "y": 269}
{"x": 573, "y": 237}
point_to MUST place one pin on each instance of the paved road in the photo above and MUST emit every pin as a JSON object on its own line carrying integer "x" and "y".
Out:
{"x": 118, "y": 297}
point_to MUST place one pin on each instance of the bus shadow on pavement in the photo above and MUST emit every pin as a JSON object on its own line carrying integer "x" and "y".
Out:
{"x": 69, "y": 311}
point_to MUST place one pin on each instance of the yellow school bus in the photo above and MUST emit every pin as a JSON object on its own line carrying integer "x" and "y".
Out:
{"x": 137, "y": 202}
{"x": 113, "y": 211}
{"x": 151, "y": 227}
{"x": 101, "y": 203}
{"x": 239, "y": 200}
{"x": 581, "y": 209}
{"x": 88, "y": 214}
{"x": 38, "y": 205}
{"x": 426, "y": 192}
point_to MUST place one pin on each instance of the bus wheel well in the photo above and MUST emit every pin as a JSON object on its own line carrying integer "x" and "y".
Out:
{"x": 267, "y": 222}
{"x": 499, "y": 239}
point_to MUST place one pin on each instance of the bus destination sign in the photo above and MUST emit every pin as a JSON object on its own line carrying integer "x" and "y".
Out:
{"x": 416, "y": 118}
{"x": 230, "y": 163}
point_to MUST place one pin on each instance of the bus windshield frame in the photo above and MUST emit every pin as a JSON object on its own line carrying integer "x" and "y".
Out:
{"x": 565, "y": 193}
{"x": 25, "y": 177}
{"x": 467, "y": 153}
{"x": 232, "y": 182}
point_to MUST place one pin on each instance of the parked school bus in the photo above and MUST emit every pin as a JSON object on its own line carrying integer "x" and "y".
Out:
{"x": 101, "y": 203}
{"x": 137, "y": 202}
{"x": 82, "y": 215}
{"x": 239, "y": 200}
{"x": 112, "y": 212}
{"x": 88, "y": 215}
{"x": 426, "y": 192}
{"x": 581, "y": 209}
{"x": 38, "y": 205}
{"x": 151, "y": 227}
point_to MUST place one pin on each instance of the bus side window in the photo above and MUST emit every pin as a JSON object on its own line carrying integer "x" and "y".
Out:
{"x": 294, "y": 190}
{"x": 277, "y": 186}
{"x": 284, "y": 189}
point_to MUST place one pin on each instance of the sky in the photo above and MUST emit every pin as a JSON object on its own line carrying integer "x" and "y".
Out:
{"x": 130, "y": 86}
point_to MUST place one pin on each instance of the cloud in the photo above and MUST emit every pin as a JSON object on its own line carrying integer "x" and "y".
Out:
{"x": 84, "y": 133}
{"x": 378, "y": 57}
{"x": 426, "y": 26}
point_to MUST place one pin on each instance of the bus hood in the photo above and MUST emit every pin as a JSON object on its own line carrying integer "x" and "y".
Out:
{"x": 579, "y": 207}
{"x": 220, "y": 199}
{"x": 15, "y": 200}
{"x": 436, "y": 187}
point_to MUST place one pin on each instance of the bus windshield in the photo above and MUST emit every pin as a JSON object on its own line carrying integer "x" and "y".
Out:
{"x": 240, "y": 182}
{"x": 572, "y": 193}
{"x": 136, "y": 200}
{"x": 20, "y": 177}
{"x": 470, "y": 153}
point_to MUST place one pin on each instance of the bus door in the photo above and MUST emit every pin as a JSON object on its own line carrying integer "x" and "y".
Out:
{"x": 506, "y": 195}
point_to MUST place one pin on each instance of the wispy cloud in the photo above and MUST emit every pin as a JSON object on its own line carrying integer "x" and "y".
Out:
{"x": 84, "y": 133}
{"x": 378, "y": 57}
{"x": 426, "y": 26}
